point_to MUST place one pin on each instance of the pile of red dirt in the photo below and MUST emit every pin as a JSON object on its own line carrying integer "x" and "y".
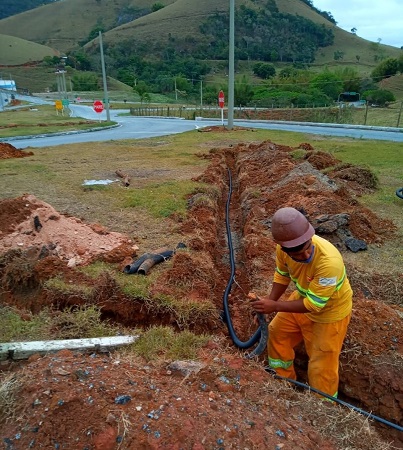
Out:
{"x": 9, "y": 151}
{"x": 30, "y": 224}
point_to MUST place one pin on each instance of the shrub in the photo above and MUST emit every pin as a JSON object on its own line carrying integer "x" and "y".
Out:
{"x": 379, "y": 97}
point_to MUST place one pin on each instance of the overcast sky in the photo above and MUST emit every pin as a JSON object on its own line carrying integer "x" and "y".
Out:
{"x": 373, "y": 19}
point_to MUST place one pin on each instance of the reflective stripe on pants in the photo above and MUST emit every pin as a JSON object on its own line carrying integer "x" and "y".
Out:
{"x": 323, "y": 343}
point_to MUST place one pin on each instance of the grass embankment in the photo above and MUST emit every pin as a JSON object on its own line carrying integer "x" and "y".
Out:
{"x": 35, "y": 120}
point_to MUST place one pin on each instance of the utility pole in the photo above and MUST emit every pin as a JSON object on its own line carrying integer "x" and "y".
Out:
{"x": 108, "y": 116}
{"x": 176, "y": 91}
{"x": 231, "y": 65}
{"x": 201, "y": 95}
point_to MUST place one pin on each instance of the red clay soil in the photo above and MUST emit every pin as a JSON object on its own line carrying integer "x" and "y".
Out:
{"x": 9, "y": 151}
{"x": 103, "y": 402}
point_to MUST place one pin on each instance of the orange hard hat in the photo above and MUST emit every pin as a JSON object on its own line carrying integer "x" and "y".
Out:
{"x": 290, "y": 228}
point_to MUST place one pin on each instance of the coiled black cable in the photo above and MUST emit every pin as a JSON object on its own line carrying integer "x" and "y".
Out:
{"x": 261, "y": 334}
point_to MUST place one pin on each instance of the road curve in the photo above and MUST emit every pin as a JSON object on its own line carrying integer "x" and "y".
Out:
{"x": 130, "y": 127}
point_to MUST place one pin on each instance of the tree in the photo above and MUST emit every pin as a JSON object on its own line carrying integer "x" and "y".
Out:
{"x": 94, "y": 33}
{"x": 142, "y": 90}
{"x": 156, "y": 6}
{"x": 400, "y": 64}
{"x": 385, "y": 69}
{"x": 210, "y": 94}
{"x": 85, "y": 81}
{"x": 338, "y": 54}
{"x": 51, "y": 60}
{"x": 329, "y": 83}
{"x": 79, "y": 60}
{"x": 263, "y": 70}
{"x": 350, "y": 77}
{"x": 243, "y": 92}
{"x": 379, "y": 97}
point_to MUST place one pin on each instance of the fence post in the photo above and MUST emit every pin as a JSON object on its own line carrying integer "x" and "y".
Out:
{"x": 366, "y": 112}
{"x": 400, "y": 114}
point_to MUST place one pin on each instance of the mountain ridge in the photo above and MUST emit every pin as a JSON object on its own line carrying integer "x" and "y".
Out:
{"x": 60, "y": 26}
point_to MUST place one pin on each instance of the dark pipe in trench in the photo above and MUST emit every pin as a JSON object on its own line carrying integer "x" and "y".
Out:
{"x": 261, "y": 333}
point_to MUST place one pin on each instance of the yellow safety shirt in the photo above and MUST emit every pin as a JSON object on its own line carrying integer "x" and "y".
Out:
{"x": 322, "y": 282}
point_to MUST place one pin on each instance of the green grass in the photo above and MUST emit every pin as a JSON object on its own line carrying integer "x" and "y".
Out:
{"x": 47, "y": 324}
{"x": 185, "y": 312}
{"x": 136, "y": 286}
{"x": 384, "y": 157}
{"x": 59, "y": 286}
{"x": 378, "y": 117}
{"x": 95, "y": 269}
{"x": 73, "y": 323}
{"x": 14, "y": 328}
{"x": 163, "y": 342}
{"x": 41, "y": 120}
{"x": 161, "y": 199}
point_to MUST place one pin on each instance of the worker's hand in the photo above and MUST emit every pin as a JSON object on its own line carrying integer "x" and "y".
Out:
{"x": 262, "y": 305}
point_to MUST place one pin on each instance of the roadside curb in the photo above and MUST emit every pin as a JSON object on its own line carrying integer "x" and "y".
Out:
{"x": 206, "y": 119}
{"x": 324, "y": 125}
{"x": 65, "y": 133}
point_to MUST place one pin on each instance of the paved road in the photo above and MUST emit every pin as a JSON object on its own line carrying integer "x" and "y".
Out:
{"x": 143, "y": 127}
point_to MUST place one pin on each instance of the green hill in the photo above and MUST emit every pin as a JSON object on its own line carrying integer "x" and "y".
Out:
{"x": 66, "y": 25}
{"x": 15, "y": 51}
{"x": 63, "y": 25}
{"x": 12, "y": 7}
{"x": 183, "y": 38}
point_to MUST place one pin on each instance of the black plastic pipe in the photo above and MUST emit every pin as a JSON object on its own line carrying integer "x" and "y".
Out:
{"x": 261, "y": 334}
{"x": 143, "y": 264}
{"x": 340, "y": 402}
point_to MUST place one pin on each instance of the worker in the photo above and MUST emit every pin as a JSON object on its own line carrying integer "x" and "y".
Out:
{"x": 317, "y": 312}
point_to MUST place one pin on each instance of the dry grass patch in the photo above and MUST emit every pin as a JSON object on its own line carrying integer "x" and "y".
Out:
{"x": 349, "y": 429}
{"x": 10, "y": 385}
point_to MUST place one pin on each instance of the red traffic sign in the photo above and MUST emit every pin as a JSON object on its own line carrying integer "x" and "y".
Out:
{"x": 98, "y": 106}
{"x": 221, "y": 99}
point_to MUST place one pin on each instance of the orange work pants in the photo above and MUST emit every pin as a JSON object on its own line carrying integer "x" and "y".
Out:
{"x": 323, "y": 343}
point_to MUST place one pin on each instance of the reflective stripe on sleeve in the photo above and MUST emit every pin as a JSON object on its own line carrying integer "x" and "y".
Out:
{"x": 278, "y": 363}
{"x": 320, "y": 302}
{"x": 340, "y": 283}
{"x": 284, "y": 274}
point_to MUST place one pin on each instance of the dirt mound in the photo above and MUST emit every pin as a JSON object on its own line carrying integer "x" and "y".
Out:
{"x": 9, "y": 151}
{"x": 28, "y": 223}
